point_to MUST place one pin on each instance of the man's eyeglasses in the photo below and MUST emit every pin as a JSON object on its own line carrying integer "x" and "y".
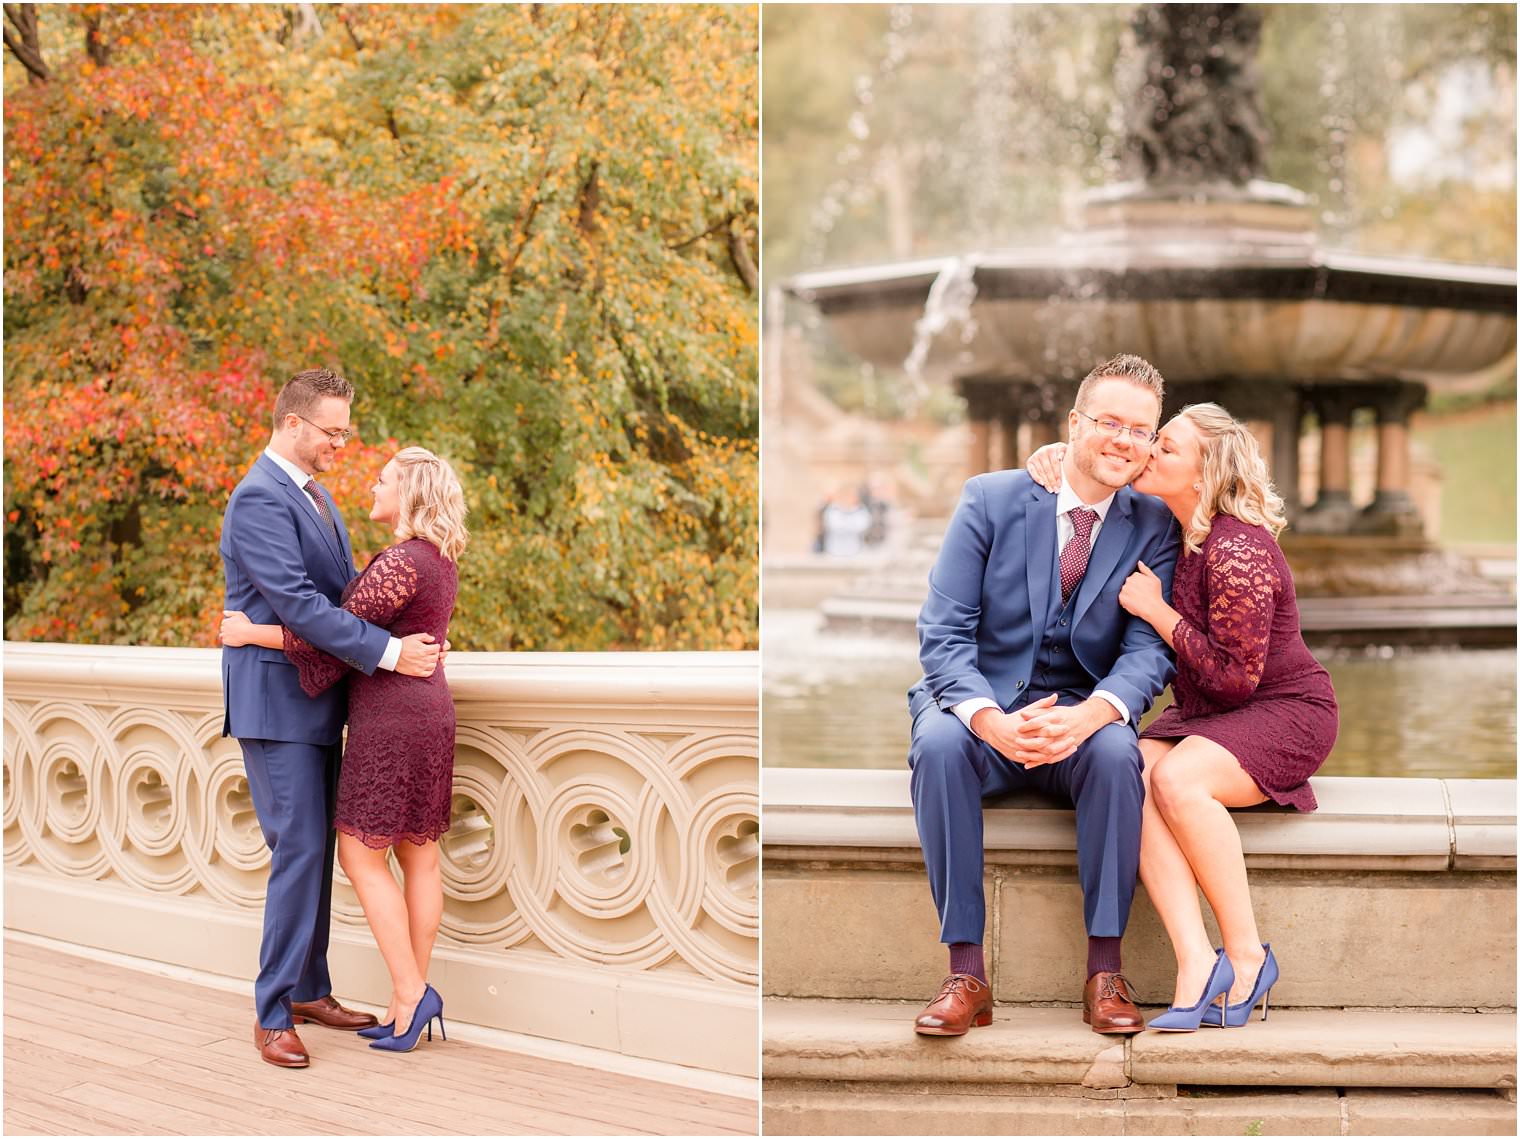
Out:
{"x": 1113, "y": 429}
{"x": 336, "y": 434}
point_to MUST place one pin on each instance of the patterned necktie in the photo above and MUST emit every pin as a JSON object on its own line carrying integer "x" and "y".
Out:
{"x": 316, "y": 496}
{"x": 1074, "y": 556}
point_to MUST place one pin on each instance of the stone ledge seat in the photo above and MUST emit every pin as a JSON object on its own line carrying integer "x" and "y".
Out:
{"x": 1397, "y": 894}
{"x": 1366, "y": 823}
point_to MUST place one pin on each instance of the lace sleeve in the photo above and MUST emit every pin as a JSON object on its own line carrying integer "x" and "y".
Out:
{"x": 379, "y": 594}
{"x": 385, "y": 588}
{"x": 1241, "y": 583}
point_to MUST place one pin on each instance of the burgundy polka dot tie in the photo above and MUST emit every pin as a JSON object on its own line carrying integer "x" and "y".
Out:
{"x": 316, "y": 496}
{"x": 1074, "y": 556}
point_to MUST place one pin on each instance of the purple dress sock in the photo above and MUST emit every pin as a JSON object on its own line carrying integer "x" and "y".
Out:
{"x": 967, "y": 958}
{"x": 1103, "y": 955}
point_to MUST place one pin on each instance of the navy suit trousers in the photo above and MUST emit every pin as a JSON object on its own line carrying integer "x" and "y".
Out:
{"x": 953, "y": 772}
{"x": 294, "y": 787}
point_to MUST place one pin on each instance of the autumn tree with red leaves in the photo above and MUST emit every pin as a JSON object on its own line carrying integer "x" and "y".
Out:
{"x": 525, "y": 233}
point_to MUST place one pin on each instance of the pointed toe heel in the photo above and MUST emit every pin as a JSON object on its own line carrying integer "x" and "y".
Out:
{"x": 378, "y": 1031}
{"x": 1236, "y": 1016}
{"x": 1216, "y": 988}
{"x": 428, "y": 1009}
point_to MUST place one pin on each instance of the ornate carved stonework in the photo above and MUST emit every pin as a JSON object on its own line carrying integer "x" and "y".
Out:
{"x": 605, "y": 805}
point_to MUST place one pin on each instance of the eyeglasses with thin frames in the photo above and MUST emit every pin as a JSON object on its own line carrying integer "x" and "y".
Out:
{"x": 336, "y": 434}
{"x": 1113, "y": 429}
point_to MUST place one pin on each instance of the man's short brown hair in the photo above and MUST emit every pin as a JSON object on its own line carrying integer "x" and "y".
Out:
{"x": 304, "y": 390}
{"x": 1124, "y": 367}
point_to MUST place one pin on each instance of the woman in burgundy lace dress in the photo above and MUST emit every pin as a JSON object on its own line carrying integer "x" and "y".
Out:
{"x": 396, "y": 782}
{"x": 1253, "y": 716}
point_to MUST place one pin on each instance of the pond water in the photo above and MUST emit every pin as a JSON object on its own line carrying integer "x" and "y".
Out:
{"x": 837, "y": 700}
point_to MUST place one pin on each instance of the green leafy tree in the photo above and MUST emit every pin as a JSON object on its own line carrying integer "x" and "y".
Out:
{"x": 526, "y": 233}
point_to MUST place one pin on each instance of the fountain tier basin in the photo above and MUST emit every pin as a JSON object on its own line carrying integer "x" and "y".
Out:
{"x": 1198, "y": 311}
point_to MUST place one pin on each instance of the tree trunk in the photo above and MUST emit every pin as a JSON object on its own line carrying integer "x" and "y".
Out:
{"x": 309, "y": 26}
{"x": 24, "y": 43}
{"x": 738, "y": 252}
{"x": 591, "y": 197}
{"x": 94, "y": 43}
{"x": 899, "y": 202}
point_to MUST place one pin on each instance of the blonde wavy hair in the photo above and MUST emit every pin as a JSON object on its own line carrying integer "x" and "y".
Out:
{"x": 1234, "y": 477}
{"x": 430, "y": 501}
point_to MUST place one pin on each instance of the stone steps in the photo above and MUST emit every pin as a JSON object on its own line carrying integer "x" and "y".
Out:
{"x": 793, "y": 1110}
{"x": 1396, "y": 892}
{"x": 830, "y": 1063}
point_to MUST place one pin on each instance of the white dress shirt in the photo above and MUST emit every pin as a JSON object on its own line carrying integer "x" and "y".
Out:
{"x": 392, "y": 652}
{"x": 1066, "y": 530}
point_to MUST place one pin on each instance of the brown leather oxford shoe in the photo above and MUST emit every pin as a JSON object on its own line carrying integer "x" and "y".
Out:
{"x": 329, "y": 1012}
{"x": 1108, "y": 1006}
{"x": 280, "y": 1047}
{"x": 963, "y": 1001}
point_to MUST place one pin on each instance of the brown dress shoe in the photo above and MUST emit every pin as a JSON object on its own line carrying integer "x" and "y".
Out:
{"x": 1108, "y": 1006}
{"x": 963, "y": 1001}
{"x": 329, "y": 1012}
{"x": 280, "y": 1047}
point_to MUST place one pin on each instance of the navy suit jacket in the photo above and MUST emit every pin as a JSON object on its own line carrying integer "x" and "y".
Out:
{"x": 284, "y": 566}
{"x": 995, "y": 582}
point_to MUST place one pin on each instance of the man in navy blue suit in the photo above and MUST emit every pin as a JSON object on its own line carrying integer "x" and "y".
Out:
{"x": 1034, "y": 677}
{"x": 287, "y": 558}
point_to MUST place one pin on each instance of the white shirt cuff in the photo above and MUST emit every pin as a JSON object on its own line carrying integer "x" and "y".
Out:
{"x": 391, "y": 655}
{"x": 1116, "y": 702}
{"x": 968, "y": 708}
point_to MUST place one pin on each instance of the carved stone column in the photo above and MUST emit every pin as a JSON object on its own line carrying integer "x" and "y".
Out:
{"x": 1040, "y": 432}
{"x": 1008, "y": 437}
{"x": 1332, "y": 512}
{"x": 1392, "y": 510}
{"x": 984, "y": 405}
{"x": 1009, "y": 419}
{"x": 1272, "y": 412}
{"x": 1288, "y": 426}
{"x": 1045, "y": 415}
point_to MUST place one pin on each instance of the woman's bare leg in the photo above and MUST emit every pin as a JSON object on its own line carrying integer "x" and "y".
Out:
{"x": 424, "y": 898}
{"x": 1192, "y": 790}
{"x": 1168, "y": 879}
{"x": 385, "y": 910}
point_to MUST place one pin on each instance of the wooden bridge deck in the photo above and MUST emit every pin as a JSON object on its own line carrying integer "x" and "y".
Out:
{"x": 99, "y": 1049}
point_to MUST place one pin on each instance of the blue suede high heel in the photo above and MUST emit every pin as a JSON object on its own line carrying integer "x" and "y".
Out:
{"x": 1175, "y": 1019}
{"x": 376, "y": 1031}
{"x": 1236, "y": 1015}
{"x": 429, "y": 1008}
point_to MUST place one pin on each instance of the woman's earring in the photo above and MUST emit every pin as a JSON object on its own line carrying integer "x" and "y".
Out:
{"x": 1197, "y": 486}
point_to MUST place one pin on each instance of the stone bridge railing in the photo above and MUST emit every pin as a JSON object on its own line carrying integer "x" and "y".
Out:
{"x": 601, "y": 874}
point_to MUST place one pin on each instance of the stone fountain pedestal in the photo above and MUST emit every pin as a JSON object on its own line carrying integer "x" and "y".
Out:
{"x": 1226, "y": 291}
{"x": 1223, "y": 288}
